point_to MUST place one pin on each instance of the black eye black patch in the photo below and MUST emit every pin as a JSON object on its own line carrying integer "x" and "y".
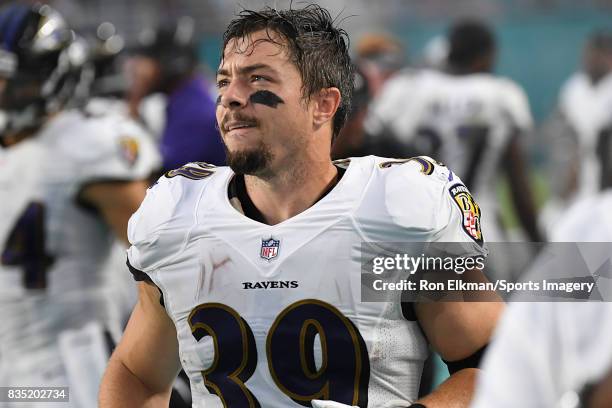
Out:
{"x": 266, "y": 98}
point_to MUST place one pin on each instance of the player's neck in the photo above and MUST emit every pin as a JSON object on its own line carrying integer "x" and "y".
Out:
{"x": 292, "y": 191}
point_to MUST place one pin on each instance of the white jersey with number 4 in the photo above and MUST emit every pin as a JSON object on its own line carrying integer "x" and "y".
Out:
{"x": 53, "y": 247}
{"x": 272, "y": 315}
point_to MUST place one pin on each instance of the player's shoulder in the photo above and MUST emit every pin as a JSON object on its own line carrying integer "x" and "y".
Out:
{"x": 401, "y": 84}
{"x": 111, "y": 129}
{"x": 176, "y": 188}
{"x": 422, "y": 195}
{"x": 185, "y": 182}
{"x": 510, "y": 97}
{"x": 97, "y": 148}
{"x": 575, "y": 84}
{"x": 81, "y": 137}
{"x": 406, "y": 178}
{"x": 508, "y": 88}
{"x": 169, "y": 209}
{"x": 423, "y": 172}
{"x": 418, "y": 186}
{"x": 575, "y": 94}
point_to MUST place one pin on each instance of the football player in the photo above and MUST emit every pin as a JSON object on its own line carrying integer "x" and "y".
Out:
{"x": 548, "y": 354}
{"x": 251, "y": 273}
{"x": 69, "y": 182}
{"x": 466, "y": 117}
{"x": 577, "y": 132}
{"x": 100, "y": 94}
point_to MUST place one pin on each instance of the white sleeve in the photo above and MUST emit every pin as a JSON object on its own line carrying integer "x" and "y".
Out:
{"x": 438, "y": 203}
{"x": 153, "y": 237}
{"x": 518, "y": 369}
{"x": 569, "y": 92}
{"x": 516, "y": 105}
{"x": 119, "y": 149}
{"x": 459, "y": 218}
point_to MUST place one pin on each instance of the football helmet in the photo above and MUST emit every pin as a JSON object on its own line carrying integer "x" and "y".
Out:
{"x": 38, "y": 65}
{"x": 105, "y": 47}
{"x": 174, "y": 48}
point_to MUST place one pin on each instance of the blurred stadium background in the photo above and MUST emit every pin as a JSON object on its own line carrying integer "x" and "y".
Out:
{"x": 540, "y": 40}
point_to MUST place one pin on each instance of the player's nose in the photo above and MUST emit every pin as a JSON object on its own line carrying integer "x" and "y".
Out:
{"x": 235, "y": 95}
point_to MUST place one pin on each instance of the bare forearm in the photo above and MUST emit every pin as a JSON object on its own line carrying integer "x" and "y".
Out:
{"x": 455, "y": 392}
{"x": 525, "y": 207}
{"x": 121, "y": 388}
{"x": 145, "y": 363}
{"x": 522, "y": 197}
{"x": 116, "y": 201}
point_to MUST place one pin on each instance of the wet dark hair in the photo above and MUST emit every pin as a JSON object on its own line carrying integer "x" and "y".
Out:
{"x": 468, "y": 41}
{"x": 317, "y": 48}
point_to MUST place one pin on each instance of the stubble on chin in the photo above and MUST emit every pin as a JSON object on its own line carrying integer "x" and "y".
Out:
{"x": 255, "y": 161}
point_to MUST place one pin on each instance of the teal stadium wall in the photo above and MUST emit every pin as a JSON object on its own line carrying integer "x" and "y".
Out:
{"x": 539, "y": 51}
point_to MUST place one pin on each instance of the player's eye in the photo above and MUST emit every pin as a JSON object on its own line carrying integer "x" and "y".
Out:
{"x": 258, "y": 78}
{"x": 222, "y": 83}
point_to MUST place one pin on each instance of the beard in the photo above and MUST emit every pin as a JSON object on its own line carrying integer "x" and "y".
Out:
{"x": 252, "y": 161}
{"x": 249, "y": 161}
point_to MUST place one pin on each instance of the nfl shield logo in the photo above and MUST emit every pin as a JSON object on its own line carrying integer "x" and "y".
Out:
{"x": 269, "y": 248}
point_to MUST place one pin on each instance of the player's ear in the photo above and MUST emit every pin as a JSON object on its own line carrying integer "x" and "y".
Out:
{"x": 325, "y": 105}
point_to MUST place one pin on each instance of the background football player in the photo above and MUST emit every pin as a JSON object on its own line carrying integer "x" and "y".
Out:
{"x": 576, "y": 134}
{"x": 166, "y": 62}
{"x": 69, "y": 183}
{"x": 549, "y": 355}
{"x": 557, "y": 354}
{"x": 466, "y": 117}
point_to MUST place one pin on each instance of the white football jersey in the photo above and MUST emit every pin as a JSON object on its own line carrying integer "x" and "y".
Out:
{"x": 600, "y": 149}
{"x": 53, "y": 248}
{"x": 467, "y": 119}
{"x": 271, "y": 315}
{"x": 585, "y": 107}
{"x": 544, "y": 353}
{"x": 577, "y": 103}
{"x": 587, "y": 219}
